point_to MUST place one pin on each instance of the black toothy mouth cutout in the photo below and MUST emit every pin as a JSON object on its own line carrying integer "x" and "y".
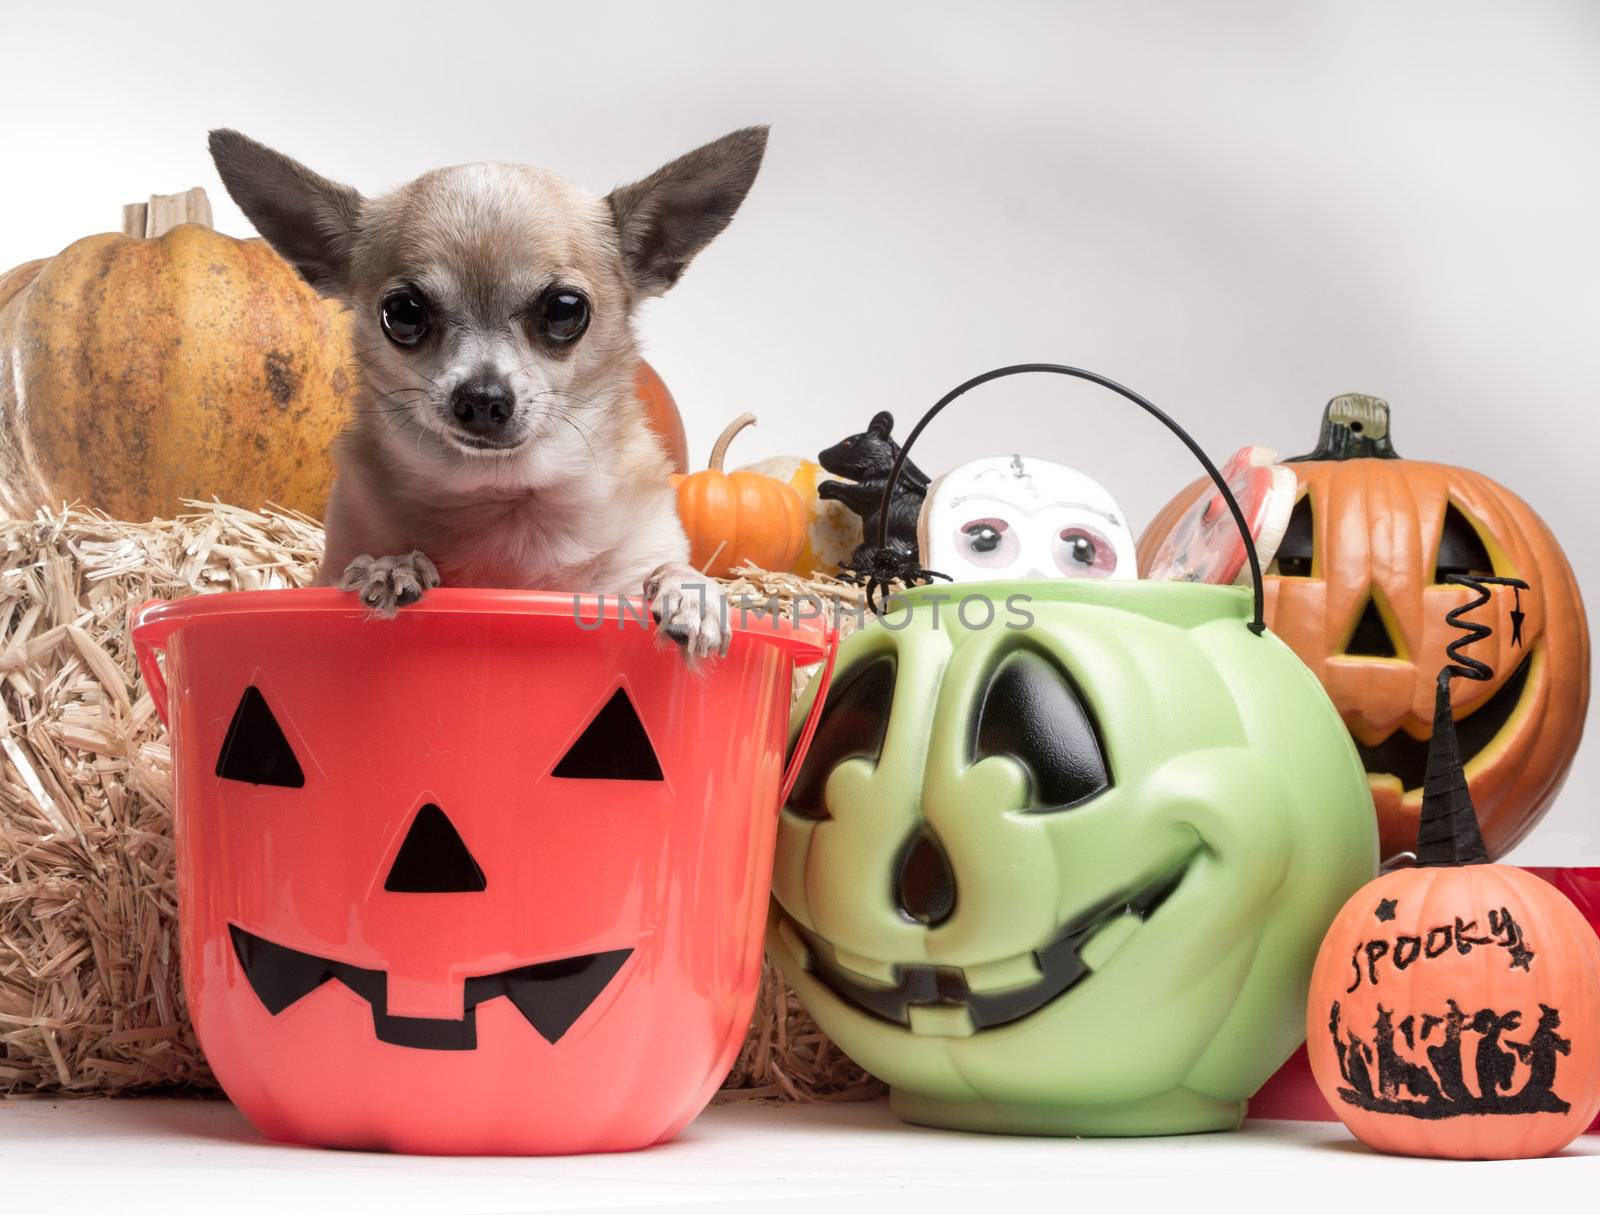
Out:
{"x": 1406, "y": 758}
{"x": 1060, "y": 963}
{"x": 551, "y": 995}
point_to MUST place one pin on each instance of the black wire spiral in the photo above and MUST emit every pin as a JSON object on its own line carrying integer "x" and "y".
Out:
{"x": 1460, "y": 664}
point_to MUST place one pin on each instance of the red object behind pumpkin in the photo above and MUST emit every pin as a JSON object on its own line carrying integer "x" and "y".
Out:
{"x": 480, "y": 879}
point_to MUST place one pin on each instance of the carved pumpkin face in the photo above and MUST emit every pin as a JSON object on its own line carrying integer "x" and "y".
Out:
{"x": 1068, "y": 878}
{"x": 1358, "y": 591}
{"x": 455, "y": 883}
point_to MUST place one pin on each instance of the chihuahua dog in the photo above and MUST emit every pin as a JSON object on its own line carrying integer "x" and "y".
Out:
{"x": 499, "y": 442}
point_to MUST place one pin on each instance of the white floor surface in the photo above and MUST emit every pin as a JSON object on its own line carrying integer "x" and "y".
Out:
{"x": 179, "y": 1155}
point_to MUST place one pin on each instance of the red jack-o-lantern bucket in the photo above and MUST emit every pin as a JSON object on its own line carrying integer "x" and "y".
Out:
{"x": 487, "y": 878}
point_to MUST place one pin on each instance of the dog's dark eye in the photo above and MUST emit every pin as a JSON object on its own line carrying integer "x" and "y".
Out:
{"x": 563, "y": 316}
{"x": 405, "y": 317}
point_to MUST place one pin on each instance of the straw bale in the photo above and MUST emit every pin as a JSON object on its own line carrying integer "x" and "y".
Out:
{"x": 90, "y": 996}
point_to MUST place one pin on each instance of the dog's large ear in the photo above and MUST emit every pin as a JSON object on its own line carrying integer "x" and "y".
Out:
{"x": 308, "y": 219}
{"x": 671, "y": 215}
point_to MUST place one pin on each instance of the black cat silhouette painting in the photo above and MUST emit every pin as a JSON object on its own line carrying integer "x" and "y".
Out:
{"x": 1450, "y": 1063}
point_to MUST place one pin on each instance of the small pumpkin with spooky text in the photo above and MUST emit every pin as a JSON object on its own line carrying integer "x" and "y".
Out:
{"x": 731, "y": 518}
{"x": 1455, "y": 1006}
{"x": 1359, "y": 588}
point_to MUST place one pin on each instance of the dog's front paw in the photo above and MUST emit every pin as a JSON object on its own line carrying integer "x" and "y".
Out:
{"x": 387, "y": 584}
{"x": 689, "y": 609}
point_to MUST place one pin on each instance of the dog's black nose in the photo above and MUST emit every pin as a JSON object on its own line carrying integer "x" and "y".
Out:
{"x": 482, "y": 406}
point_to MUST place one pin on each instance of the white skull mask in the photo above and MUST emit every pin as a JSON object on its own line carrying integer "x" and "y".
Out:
{"x": 1017, "y": 517}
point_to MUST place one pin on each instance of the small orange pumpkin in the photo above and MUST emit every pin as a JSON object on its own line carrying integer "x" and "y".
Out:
{"x": 1455, "y": 1007}
{"x": 1358, "y": 590}
{"x": 833, "y": 530}
{"x": 736, "y": 517}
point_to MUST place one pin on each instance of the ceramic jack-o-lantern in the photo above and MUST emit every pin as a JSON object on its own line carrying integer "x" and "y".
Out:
{"x": 1455, "y": 1006}
{"x": 1360, "y": 588}
{"x": 1063, "y": 850}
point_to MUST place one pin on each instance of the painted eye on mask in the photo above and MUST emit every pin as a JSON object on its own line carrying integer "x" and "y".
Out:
{"x": 405, "y": 317}
{"x": 1082, "y": 552}
{"x": 563, "y": 315}
{"x": 988, "y": 542}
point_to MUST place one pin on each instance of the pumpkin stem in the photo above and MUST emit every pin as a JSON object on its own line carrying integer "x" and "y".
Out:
{"x": 1354, "y": 427}
{"x": 164, "y": 212}
{"x": 719, "y": 450}
{"x": 1448, "y": 833}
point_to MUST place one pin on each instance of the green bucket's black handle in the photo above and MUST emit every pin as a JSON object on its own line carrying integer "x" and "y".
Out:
{"x": 885, "y": 566}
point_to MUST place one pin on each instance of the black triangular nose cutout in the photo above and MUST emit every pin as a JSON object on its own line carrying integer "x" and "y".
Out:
{"x": 1371, "y": 638}
{"x": 433, "y": 859}
{"x": 255, "y": 749}
{"x": 614, "y": 746}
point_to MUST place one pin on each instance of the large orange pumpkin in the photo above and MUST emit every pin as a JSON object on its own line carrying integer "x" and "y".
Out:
{"x": 1455, "y": 1007}
{"x": 139, "y": 370}
{"x": 661, "y": 414}
{"x": 1358, "y": 591}
{"x": 735, "y": 517}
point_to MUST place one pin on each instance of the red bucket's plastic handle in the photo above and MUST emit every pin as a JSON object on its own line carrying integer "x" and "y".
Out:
{"x": 803, "y": 743}
{"x": 150, "y": 630}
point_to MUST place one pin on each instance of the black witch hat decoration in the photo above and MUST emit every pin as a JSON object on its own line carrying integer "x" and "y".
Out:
{"x": 1448, "y": 833}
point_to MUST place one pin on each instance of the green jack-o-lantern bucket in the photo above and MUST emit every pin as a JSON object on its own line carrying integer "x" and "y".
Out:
{"x": 1062, "y": 852}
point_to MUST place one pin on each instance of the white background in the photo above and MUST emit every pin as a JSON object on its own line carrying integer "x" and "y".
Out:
{"x": 1240, "y": 209}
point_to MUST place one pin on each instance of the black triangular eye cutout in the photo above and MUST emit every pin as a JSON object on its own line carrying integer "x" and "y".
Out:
{"x": 1371, "y": 638}
{"x": 1034, "y": 713}
{"x": 1294, "y": 555}
{"x": 853, "y": 724}
{"x": 1461, "y": 549}
{"x": 614, "y": 746}
{"x": 255, "y": 749}
{"x": 434, "y": 859}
